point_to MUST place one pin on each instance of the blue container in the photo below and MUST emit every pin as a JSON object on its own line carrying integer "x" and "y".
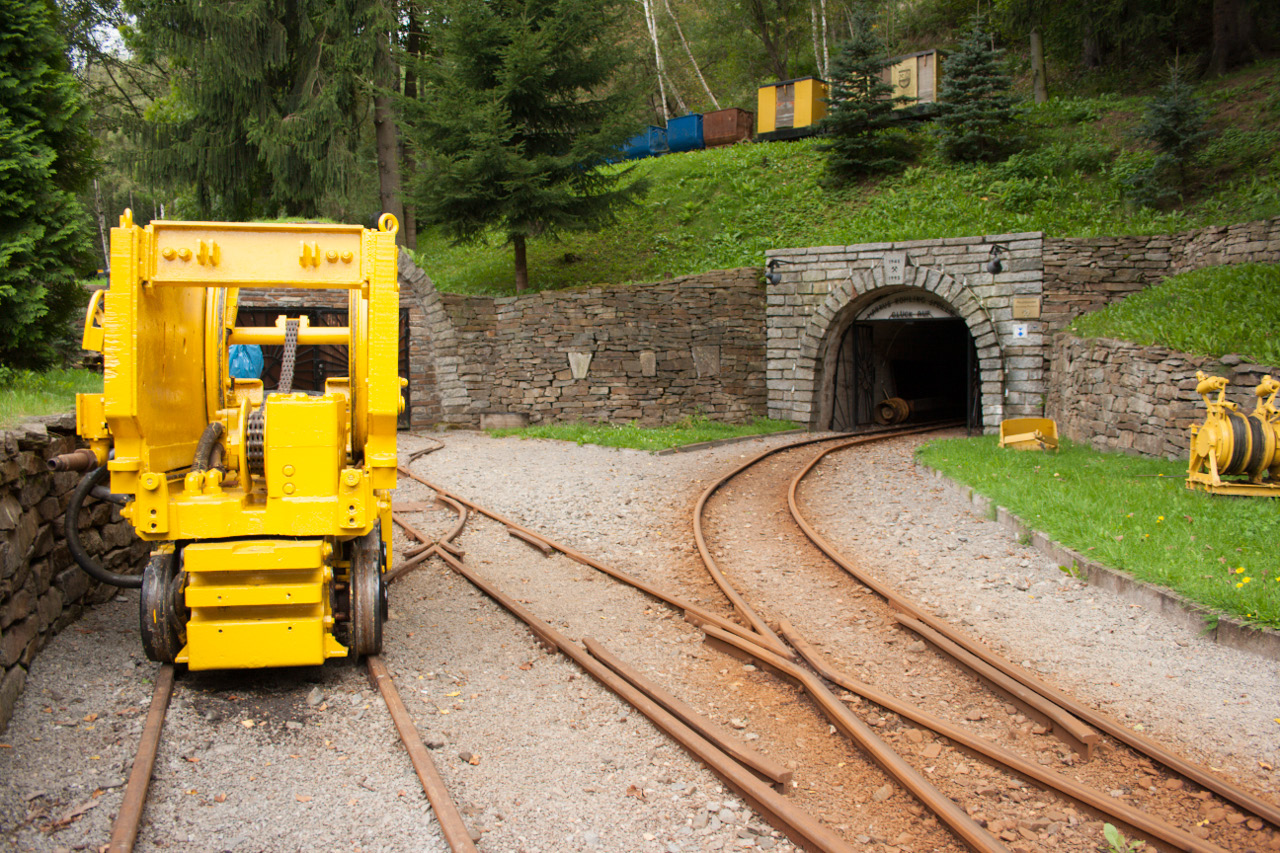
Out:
{"x": 685, "y": 133}
{"x": 651, "y": 143}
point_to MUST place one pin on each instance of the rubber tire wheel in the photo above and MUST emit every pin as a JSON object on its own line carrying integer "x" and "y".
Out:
{"x": 159, "y": 619}
{"x": 368, "y": 594}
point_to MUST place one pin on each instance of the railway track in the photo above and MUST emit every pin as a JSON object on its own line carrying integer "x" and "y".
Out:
{"x": 1027, "y": 709}
{"x": 128, "y": 821}
{"x": 884, "y": 764}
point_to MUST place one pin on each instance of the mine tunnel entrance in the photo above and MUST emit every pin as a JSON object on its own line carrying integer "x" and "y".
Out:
{"x": 928, "y": 361}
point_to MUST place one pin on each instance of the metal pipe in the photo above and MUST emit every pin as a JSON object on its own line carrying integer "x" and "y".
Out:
{"x": 274, "y": 336}
{"x": 83, "y": 459}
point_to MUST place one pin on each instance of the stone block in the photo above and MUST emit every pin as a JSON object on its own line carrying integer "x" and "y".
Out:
{"x": 15, "y": 639}
{"x": 73, "y": 583}
{"x": 10, "y": 689}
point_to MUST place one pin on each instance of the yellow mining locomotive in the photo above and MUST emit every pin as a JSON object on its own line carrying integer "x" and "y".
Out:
{"x": 1232, "y": 444}
{"x": 269, "y": 510}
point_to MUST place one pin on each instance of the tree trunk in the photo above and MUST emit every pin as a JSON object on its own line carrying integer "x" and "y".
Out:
{"x": 1232, "y": 35}
{"x": 1091, "y": 51}
{"x": 1039, "y": 76}
{"x": 385, "y": 137}
{"x": 663, "y": 80}
{"x": 102, "y": 226}
{"x": 522, "y": 264}
{"x": 689, "y": 53}
{"x": 413, "y": 49}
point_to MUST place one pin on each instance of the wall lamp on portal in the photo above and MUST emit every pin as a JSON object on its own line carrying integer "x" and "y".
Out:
{"x": 995, "y": 265}
{"x": 772, "y": 276}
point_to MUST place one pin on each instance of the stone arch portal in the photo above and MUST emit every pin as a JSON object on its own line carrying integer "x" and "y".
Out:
{"x": 917, "y": 336}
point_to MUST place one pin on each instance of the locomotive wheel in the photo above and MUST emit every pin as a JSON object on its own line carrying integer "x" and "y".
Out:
{"x": 162, "y": 616}
{"x": 368, "y": 593}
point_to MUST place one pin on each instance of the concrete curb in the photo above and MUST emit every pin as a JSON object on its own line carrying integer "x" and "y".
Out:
{"x": 1263, "y": 642}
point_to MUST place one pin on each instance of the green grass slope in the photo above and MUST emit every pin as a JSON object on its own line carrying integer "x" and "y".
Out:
{"x": 724, "y": 208}
{"x": 1213, "y": 312}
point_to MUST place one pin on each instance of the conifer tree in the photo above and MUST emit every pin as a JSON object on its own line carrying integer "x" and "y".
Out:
{"x": 860, "y": 109}
{"x": 268, "y": 105}
{"x": 1174, "y": 123}
{"x": 45, "y": 157}
{"x": 975, "y": 108}
{"x": 520, "y": 107}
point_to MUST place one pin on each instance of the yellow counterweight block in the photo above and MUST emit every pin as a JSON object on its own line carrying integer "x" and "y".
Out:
{"x": 258, "y": 603}
{"x": 1233, "y": 444}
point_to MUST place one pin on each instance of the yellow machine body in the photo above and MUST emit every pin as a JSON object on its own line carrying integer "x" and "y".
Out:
{"x": 264, "y": 529}
{"x": 1245, "y": 447}
{"x": 1029, "y": 433}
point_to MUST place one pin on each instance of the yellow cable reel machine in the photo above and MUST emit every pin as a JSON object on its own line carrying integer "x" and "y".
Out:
{"x": 270, "y": 509}
{"x": 1233, "y": 444}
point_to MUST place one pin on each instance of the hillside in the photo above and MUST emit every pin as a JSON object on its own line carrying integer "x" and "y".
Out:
{"x": 723, "y": 208}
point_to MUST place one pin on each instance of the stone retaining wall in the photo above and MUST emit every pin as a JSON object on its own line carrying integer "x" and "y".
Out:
{"x": 1085, "y": 274}
{"x": 42, "y": 590}
{"x": 651, "y": 353}
{"x": 1115, "y": 395}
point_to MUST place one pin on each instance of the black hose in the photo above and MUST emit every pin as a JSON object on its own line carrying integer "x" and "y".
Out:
{"x": 91, "y": 566}
{"x": 204, "y": 448}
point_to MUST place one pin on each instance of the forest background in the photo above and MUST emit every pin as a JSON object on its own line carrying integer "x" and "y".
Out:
{"x": 264, "y": 109}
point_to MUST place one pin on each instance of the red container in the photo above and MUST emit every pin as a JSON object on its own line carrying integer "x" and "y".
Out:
{"x": 725, "y": 127}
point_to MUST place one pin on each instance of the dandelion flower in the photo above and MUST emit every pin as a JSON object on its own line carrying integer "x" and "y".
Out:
{"x": 1159, "y": 518}
{"x": 1240, "y": 570}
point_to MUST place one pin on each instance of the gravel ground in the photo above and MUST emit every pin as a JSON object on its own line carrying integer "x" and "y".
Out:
{"x": 539, "y": 757}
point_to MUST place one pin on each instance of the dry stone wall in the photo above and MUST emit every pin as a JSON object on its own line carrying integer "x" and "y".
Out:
{"x": 1115, "y": 395}
{"x": 1085, "y": 274}
{"x": 42, "y": 590}
{"x": 651, "y": 353}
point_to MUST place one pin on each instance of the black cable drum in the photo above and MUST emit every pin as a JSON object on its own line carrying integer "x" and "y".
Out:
{"x": 1240, "y": 435}
{"x": 1258, "y": 451}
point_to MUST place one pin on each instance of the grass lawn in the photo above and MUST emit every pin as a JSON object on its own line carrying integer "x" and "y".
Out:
{"x": 25, "y": 394}
{"x": 691, "y": 430}
{"x": 1135, "y": 514}
{"x": 1213, "y": 312}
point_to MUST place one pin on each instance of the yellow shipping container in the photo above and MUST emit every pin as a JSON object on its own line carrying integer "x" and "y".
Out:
{"x": 791, "y": 108}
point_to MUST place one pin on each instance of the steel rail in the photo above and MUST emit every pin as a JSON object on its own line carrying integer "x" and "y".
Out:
{"x": 740, "y": 605}
{"x": 692, "y": 612}
{"x": 416, "y": 556}
{"x": 124, "y": 830}
{"x": 968, "y": 830}
{"x": 948, "y": 639}
{"x": 1081, "y": 738}
{"x": 799, "y": 826}
{"x": 452, "y": 827}
{"x": 1134, "y": 819}
{"x": 1155, "y": 751}
{"x": 762, "y": 764}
